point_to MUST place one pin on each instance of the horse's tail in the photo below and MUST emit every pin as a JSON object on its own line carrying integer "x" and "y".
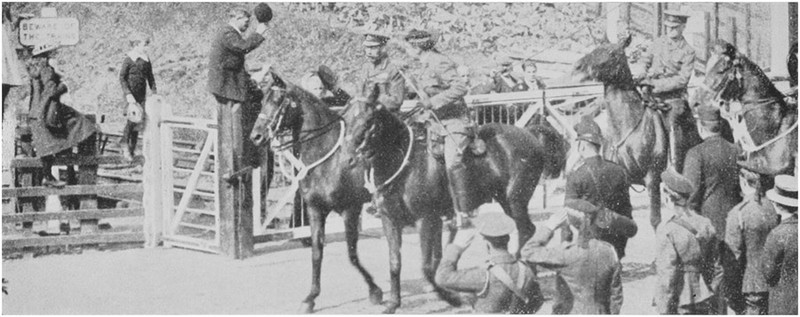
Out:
{"x": 555, "y": 149}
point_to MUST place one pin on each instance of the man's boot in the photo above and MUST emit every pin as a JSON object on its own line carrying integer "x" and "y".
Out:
{"x": 457, "y": 176}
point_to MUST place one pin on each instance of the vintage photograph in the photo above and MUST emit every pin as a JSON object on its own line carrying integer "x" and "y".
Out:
{"x": 399, "y": 158}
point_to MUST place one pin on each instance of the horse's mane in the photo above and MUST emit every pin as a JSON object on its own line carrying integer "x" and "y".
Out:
{"x": 772, "y": 91}
{"x": 555, "y": 149}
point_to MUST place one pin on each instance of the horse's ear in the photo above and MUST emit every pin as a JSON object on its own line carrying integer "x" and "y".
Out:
{"x": 726, "y": 49}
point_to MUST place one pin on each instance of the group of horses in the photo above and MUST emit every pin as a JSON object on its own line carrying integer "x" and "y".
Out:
{"x": 366, "y": 145}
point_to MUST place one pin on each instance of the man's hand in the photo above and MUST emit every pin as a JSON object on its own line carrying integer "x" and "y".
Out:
{"x": 556, "y": 219}
{"x": 261, "y": 28}
{"x": 464, "y": 238}
{"x": 425, "y": 104}
{"x": 129, "y": 98}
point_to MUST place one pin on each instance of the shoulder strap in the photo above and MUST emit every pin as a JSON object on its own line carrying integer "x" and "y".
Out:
{"x": 503, "y": 276}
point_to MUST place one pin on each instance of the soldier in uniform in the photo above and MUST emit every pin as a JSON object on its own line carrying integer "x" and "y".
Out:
{"x": 683, "y": 268}
{"x": 442, "y": 92}
{"x": 668, "y": 66}
{"x": 747, "y": 227}
{"x": 588, "y": 270}
{"x": 780, "y": 250}
{"x": 380, "y": 71}
{"x": 504, "y": 285}
{"x": 711, "y": 167}
{"x": 598, "y": 181}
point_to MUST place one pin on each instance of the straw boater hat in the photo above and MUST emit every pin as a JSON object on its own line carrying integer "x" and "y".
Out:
{"x": 676, "y": 17}
{"x": 785, "y": 191}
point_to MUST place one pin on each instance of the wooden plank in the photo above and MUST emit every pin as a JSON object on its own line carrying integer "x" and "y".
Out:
{"x": 87, "y": 175}
{"x": 74, "y": 214}
{"x": 120, "y": 237}
{"x": 535, "y": 96}
{"x": 194, "y": 123}
{"x": 105, "y": 190}
{"x": 191, "y": 185}
{"x": 75, "y": 159}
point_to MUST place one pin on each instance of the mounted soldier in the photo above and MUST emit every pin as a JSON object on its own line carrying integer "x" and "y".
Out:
{"x": 668, "y": 64}
{"x": 379, "y": 70}
{"x": 442, "y": 93}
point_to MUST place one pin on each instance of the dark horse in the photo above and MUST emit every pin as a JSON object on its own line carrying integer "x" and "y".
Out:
{"x": 412, "y": 185}
{"x": 635, "y": 135}
{"x": 765, "y": 126}
{"x": 337, "y": 181}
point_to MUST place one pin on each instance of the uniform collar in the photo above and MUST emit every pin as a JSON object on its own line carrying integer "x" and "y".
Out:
{"x": 382, "y": 65}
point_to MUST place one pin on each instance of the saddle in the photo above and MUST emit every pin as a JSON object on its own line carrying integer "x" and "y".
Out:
{"x": 476, "y": 145}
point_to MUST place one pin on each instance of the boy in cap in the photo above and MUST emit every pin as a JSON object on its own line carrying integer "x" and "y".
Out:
{"x": 505, "y": 285}
{"x": 747, "y": 227}
{"x": 780, "y": 250}
{"x": 597, "y": 180}
{"x": 381, "y": 72}
{"x": 668, "y": 65}
{"x": 442, "y": 92}
{"x": 711, "y": 168}
{"x": 682, "y": 267}
{"x": 587, "y": 269}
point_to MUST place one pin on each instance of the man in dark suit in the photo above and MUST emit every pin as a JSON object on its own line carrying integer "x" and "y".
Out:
{"x": 712, "y": 169}
{"x": 780, "y": 250}
{"x": 598, "y": 181}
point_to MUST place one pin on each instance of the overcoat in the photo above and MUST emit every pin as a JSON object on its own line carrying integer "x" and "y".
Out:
{"x": 605, "y": 184}
{"x": 587, "y": 280}
{"x": 227, "y": 77}
{"x": 780, "y": 267}
{"x": 748, "y": 225}
{"x": 388, "y": 78}
{"x": 712, "y": 169}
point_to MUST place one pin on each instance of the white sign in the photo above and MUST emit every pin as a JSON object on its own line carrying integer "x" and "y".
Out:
{"x": 64, "y": 31}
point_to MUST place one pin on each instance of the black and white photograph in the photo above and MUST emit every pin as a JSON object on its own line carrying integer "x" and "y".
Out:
{"x": 364, "y": 158}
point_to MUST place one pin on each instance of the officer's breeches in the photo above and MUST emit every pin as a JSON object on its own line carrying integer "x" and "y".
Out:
{"x": 455, "y": 142}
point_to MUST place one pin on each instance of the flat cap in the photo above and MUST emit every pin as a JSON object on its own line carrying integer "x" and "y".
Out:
{"x": 493, "y": 222}
{"x": 589, "y": 131}
{"x": 754, "y": 166}
{"x": 676, "y": 182}
{"x": 785, "y": 190}
{"x": 707, "y": 113}
{"x": 263, "y": 13}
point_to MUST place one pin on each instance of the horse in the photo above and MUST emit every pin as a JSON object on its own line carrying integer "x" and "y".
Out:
{"x": 634, "y": 134}
{"x": 764, "y": 125}
{"x": 333, "y": 180}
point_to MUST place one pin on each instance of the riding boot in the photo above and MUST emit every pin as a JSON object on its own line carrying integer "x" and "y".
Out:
{"x": 457, "y": 177}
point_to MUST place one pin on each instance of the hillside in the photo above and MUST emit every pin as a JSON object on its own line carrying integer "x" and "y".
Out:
{"x": 302, "y": 36}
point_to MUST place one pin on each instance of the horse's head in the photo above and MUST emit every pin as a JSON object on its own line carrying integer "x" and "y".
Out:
{"x": 607, "y": 63}
{"x": 372, "y": 124}
{"x": 277, "y": 110}
{"x": 724, "y": 72}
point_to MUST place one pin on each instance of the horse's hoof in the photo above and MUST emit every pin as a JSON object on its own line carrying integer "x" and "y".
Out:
{"x": 376, "y": 296}
{"x": 306, "y": 308}
{"x": 391, "y": 308}
{"x": 451, "y": 298}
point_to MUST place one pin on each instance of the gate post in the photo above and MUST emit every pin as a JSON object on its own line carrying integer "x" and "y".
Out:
{"x": 235, "y": 200}
{"x": 152, "y": 198}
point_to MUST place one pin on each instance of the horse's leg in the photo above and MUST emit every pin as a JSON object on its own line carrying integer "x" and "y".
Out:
{"x": 430, "y": 238}
{"x": 394, "y": 236}
{"x": 653, "y": 182}
{"x": 515, "y": 201}
{"x": 351, "y": 233}
{"x": 317, "y": 243}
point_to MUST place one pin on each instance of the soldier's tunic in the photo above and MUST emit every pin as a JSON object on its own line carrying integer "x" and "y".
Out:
{"x": 588, "y": 279}
{"x": 492, "y": 295}
{"x": 669, "y": 64}
{"x": 780, "y": 267}
{"x": 605, "y": 184}
{"x": 747, "y": 227}
{"x": 682, "y": 268}
{"x": 389, "y": 80}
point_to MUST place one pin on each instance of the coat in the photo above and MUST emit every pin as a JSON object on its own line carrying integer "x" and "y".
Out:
{"x": 747, "y": 227}
{"x": 492, "y": 295}
{"x": 604, "y": 184}
{"x": 587, "y": 280}
{"x": 711, "y": 167}
{"x": 135, "y": 76}
{"x": 669, "y": 64}
{"x": 683, "y": 268}
{"x": 46, "y": 92}
{"x": 440, "y": 81}
{"x": 227, "y": 77}
{"x": 390, "y": 81}
{"x": 780, "y": 267}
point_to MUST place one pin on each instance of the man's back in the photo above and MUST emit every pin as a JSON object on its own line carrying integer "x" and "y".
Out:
{"x": 780, "y": 267}
{"x": 711, "y": 167}
{"x": 748, "y": 225}
{"x": 227, "y": 77}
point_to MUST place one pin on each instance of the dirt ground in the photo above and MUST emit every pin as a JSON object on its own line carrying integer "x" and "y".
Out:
{"x": 178, "y": 281}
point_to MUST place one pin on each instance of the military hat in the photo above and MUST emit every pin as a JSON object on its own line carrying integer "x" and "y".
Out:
{"x": 418, "y": 36}
{"x": 589, "y": 131}
{"x": 263, "y": 13}
{"x": 493, "y": 222}
{"x": 707, "y": 113}
{"x": 785, "y": 190}
{"x": 676, "y": 182}
{"x": 581, "y": 205}
{"x": 375, "y": 39}
{"x": 675, "y": 17}
{"x": 754, "y": 166}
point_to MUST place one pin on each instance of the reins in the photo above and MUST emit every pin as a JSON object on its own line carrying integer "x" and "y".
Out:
{"x": 369, "y": 178}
